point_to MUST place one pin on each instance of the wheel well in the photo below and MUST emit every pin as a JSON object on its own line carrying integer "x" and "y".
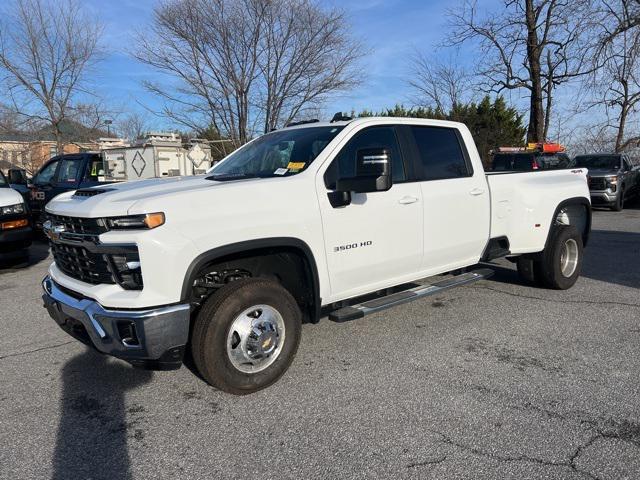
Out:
{"x": 576, "y": 212}
{"x": 288, "y": 265}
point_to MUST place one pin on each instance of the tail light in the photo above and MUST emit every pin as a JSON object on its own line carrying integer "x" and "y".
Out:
{"x": 534, "y": 165}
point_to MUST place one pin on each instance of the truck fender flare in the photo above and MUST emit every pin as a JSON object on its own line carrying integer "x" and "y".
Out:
{"x": 219, "y": 252}
{"x": 572, "y": 201}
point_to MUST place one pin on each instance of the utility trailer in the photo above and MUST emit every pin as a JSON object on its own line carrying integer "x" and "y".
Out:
{"x": 155, "y": 156}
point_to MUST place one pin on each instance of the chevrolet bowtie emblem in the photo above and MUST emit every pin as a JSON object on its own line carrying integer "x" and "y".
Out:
{"x": 53, "y": 230}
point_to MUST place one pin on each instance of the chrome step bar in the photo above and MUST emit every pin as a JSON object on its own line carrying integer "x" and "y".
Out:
{"x": 361, "y": 310}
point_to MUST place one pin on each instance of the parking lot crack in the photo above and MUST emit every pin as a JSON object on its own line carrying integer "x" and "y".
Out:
{"x": 434, "y": 461}
{"x": 551, "y": 300}
{"x": 570, "y": 463}
{"x": 27, "y": 352}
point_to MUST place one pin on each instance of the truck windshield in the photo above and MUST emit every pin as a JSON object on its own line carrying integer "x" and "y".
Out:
{"x": 277, "y": 154}
{"x": 608, "y": 162}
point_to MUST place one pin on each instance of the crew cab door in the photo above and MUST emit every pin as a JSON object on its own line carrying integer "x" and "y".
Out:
{"x": 376, "y": 239}
{"x": 456, "y": 198}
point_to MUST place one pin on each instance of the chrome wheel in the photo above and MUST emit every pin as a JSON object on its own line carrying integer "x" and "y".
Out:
{"x": 569, "y": 258}
{"x": 255, "y": 338}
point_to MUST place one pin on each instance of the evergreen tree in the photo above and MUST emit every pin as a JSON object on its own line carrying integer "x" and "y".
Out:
{"x": 492, "y": 124}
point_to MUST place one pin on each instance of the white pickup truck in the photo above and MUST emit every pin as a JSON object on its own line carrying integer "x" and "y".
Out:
{"x": 297, "y": 224}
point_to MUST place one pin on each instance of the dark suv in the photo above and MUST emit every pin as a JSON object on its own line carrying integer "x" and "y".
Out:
{"x": 529, "y": 161}
{"x": 61, "y": 174}
{"x": 613, "y": 178}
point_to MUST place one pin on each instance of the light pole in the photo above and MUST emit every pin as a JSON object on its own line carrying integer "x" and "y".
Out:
{"x": 108, "y": 124}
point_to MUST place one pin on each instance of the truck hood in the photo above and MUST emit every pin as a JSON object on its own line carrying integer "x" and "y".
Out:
{"x": 121, "y": 198}
{"x": 8, "y": 196}
{"x": 602, "y": 172}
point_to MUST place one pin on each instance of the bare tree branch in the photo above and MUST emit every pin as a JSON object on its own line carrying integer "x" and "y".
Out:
{"x": 615, "y": 87}
{"x": 531, "y": 45}
{"x": 238, "y": 64}
{"x": 46, "y": 49}
{"x": 437, "y": 84}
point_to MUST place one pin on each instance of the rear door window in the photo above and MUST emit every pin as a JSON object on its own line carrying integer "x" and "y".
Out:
{"x": 441, "y": 154}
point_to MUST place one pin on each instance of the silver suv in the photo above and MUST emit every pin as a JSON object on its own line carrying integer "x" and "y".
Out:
{"x": 613, "y": 178}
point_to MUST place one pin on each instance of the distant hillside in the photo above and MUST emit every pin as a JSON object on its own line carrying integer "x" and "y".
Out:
{"x": 72, "y": 131}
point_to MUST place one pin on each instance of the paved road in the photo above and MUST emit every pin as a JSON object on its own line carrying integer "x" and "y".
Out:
{"x": 494, "y": 380}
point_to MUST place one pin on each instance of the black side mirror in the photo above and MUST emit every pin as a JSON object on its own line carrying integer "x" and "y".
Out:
{"x": 373, "y": 172}
{"x": 17, "y": 177}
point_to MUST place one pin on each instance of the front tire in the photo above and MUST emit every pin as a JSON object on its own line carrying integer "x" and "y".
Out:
{"x": 619, "y": 205}
{"x": 246, "y": 335}
{"x": 562, "y": 258}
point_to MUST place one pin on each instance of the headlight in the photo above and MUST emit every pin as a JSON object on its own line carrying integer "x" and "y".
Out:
{"x": 136, "y": 222}
{"x": 16, "y": 209}
{"x": 613, "y": 180}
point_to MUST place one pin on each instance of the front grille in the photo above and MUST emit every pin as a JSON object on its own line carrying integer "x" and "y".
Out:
{"x": 77, "y": 262}
{"x": 597, "y": 183}
{"x": 79, "y": 254}
{"x": 86, "y": 226}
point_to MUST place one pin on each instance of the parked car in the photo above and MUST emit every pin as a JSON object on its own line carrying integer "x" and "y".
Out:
{"x": 547, "y": 156}
{"x": 613, "y": 178}
{"x": 15, "y": 224}
{"x": 301, "y": 220}
{"x": 62, "y": 174}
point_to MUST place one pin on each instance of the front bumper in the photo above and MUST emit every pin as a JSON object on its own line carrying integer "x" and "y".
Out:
{"x": 604, "y": 197}
{"x": 152, "y": 338}
{"x": 15, "y": 239}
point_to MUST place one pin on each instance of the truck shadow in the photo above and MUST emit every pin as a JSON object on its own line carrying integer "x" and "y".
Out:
{"x": 95, "y": 427}
{"x": 36, "y": 253}
{"x": 611, "y": 256}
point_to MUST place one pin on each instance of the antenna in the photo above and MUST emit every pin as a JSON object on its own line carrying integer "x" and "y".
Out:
{"x": 339, "y": 117}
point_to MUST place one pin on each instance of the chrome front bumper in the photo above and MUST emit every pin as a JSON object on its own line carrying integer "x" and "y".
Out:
{"x": 151, "y": 338}
{"x": 602, "y": 197}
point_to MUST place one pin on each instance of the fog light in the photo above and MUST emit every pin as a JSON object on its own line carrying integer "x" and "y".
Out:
{"x": 128, "y": 271}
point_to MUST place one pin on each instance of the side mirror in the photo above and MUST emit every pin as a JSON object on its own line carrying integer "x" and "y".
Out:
{"x": 17, "y": 177}
{"x": 373, "y": 172}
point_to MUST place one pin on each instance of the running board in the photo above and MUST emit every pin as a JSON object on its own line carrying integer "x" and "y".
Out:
{"x": 355, "y": 312}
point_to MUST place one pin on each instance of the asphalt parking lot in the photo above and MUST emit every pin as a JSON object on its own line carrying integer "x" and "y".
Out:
{"x": 492, "y": 380}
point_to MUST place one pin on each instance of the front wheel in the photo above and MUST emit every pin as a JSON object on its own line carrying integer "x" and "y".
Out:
{"x": 246, "y": 335}
{"x": 562, "y": 258}
{"x": 619, "y": 205}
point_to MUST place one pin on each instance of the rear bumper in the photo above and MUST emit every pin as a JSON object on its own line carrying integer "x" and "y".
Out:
{"x": 151, "y": 338}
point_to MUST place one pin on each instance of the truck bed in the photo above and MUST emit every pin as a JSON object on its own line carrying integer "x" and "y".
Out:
{"x": 521, "y": 202}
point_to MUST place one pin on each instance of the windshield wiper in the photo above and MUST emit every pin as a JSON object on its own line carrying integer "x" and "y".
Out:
{"x": 223, "y": 177}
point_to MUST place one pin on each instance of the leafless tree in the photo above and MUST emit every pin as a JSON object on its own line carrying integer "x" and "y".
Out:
{"x": 132, "y": 126}
{"x": 46, "y": 49}
{"x": 531, "y": 45}
{"x": 306, "y": 55}
{"x": 238, "y": 64}
{"x": 631, "y": 19}
{"x": 438, "y": 84}
{"x": 615, "y": 87}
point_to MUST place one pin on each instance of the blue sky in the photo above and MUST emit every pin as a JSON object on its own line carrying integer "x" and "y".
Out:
{"x": 390, "y": 29}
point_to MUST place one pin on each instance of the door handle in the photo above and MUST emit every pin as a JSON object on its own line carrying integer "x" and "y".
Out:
{"x": 476, "y": 191}
{"x": 407, "y": 200}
